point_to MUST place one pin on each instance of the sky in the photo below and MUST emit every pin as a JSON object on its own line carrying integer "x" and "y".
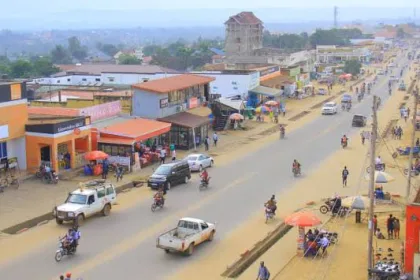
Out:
{"x": 14, "y": 8}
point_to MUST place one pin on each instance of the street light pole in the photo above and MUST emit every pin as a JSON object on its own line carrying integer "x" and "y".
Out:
{"x": 413, "y": 140}
{"x": 372, "y": 181}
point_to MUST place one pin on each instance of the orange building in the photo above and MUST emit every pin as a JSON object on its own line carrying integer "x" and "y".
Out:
{"x": 13, "y": 118}
{"x": 51, "y": 139}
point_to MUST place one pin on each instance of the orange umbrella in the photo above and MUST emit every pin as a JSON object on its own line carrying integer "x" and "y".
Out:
{"x": 236, "y": 117}
{"x": 302, "y": 219}
{"x": 95, "y": 155}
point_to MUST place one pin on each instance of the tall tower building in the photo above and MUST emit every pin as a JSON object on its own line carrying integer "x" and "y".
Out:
{"x": 335, "y": 17}
{"x": 244, "y": 34}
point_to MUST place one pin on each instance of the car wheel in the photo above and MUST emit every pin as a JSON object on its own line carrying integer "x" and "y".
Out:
{"x": 211, "y": 236}
{"x": 168, "y": 185}
{"x": 186, "y": 180}
{"x": 190, "y": 249}
{"x": 58, "y": 221}
{"x": 211, "y": 163}
{"x": 80, "y": 219}
{"x": 106, "y": 210}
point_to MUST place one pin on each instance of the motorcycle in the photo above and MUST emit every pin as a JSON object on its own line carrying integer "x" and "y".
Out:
{"x": 344, "y": 144}
{"x": 50, "y": 178}
{"x": 276, "y": 119}
{"x": 204, "y": 184}
{"x": 41, "y": 172}
{"x": 282, "y": 133}
{"x": 269, "y": 214}
{"x": 414, "y": 172}
{"x": 64, "y": 251}
{"x": 157, "y": 203}
{"x": 329, "y": 207}
{"x": 378, "y": 167}
{"x": 296, "y": 171}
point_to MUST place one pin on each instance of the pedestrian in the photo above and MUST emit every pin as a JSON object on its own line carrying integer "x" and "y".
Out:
{"x": 405, "y": 115}
{"x": 173, "y": 155}
{"x": 271, "y": 114}
{"x": 400, "y": 132}
{"x": 119, "y": 171}
{"x": 408, "y": 112}
{"x": 418, "y": 142}
{"x": 105, "y": 168}
{"x": 396, "y": 228}
{"x": 207, "y": 143}
{"x": 263, "y": 273}
{"x": 390, "y": 226}
{"x": 375, "y": 223}
{"x": 344, "y": 175}
{"x": 363, "y": 137}
{"x": 283, "y": 110}
{"x": 162, "y": 155}
{"x": 215, "y": 139}
{"x": 61, "y": 277}
{"x": 402, "y": 110}
{"x": 68, "y": 276}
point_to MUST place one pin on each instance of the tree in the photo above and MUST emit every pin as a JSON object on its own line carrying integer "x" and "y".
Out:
{"x": 352, "y": 67}
{"x": 21, "y": 69}
{"x": 42, "y": 66}
{"x": 108, "y": 49}
{"x": 151, "y": 50}
{"x": 400, "y": 33}
{"x": 326, "y": 37}
{"x": 128, "y": 59}
{"x": 60, "y": 55}
{"x": 76, "y": 49}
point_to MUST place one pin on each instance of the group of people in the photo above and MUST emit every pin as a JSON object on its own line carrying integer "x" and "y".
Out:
{"x": 397, "y": 132}
{"x": 392, "y": 225}
{"x": 315, "y": 241}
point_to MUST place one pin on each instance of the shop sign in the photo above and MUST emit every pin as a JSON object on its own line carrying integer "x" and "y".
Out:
{"x": 164, "y": 103}
{"x": 70, "y": 125}
{"x": 102, "y": 111}
{"x": 255, "y": 80}
{"x": 193, "y": 102}
{"x": 294, "y": 71}
{"x": 125, "y": 161}
{"x": 269, "y": 71}
{"x": 4, "y": 131}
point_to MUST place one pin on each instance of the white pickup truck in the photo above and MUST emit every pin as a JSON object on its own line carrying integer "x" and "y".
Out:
{"x": 92, "y": 197}
{"x": 189, "y": 233}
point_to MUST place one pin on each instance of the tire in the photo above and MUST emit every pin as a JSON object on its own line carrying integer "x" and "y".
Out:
{"x": 167, "y": 251}
{"x": 106, "y": 210}
{"x": 186, "y": 180}
{"x": 190, "y": 250}
{"x": 324, "y": 209}
{"x": 38, "y": 175}
{"x": 211, "y": 236}
{"x": 211, "y": 163}
{"x": 58, "y": 256}
{"x": 153, "y": 207}
{"x": 58, "y": 221}
{"x": 168, "y": 185}
{"x": 79, "y": 219}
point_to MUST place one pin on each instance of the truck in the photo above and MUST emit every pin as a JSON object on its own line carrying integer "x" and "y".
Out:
{"x": 91, "y": 198}
{"x": 189, "y": 233}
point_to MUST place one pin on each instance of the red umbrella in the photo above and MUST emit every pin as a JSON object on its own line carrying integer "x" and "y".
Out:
{"x": 95, "y": 155}
{"x": 302, "y": 219}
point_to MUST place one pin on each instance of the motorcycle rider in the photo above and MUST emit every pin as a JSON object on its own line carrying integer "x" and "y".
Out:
{"x": 159, "y": 197}
{"x": 68, "y": 240}
{"x": 344, "y": 140}
{"x": 76, "y": 236}
{"x": 271, "y": 205}
{"x": 282, "y": 131}
{"x": 204, "y": 177}
{"x": 48, "y": 172}
{"x": 296, "y": 166}
{"x": 378, "y": 163}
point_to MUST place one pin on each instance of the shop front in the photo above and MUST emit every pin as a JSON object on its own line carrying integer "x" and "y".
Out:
{"x": 188, "y": 130}
{"x": 134, "y": 143}
{"x": 58, "y": 142}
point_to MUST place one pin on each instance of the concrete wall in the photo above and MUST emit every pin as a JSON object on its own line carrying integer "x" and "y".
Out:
{"x": 146, "y": 104}
{"x": 71, "y": 80}
{"x": 130, "y": 79}
{"x": 17, "y": 148}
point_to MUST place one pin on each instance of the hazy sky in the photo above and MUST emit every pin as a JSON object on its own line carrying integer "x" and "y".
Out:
{"x": 48, "y": 6}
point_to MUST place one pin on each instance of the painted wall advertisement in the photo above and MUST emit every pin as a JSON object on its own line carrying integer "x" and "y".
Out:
{"x": 164, "y": 103}
{"x": 294, "y": 71}
{"x": 102, "y": 111}
{"x": 125, "y": 161}
{"x": 269, "y": 71}
{"x": 193, "y": 102}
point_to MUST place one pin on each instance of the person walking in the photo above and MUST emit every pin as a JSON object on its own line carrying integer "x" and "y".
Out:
{"x": 408, "y": 112}
{"x": 105, "y": 168}
{"x": 390, "y": 226}
{"x": 162, "y": 155}
{"x": 344, "y": 175}
{"x": 173, "y": 155}
{"x": 263, "y": 273}
{"x": 207, "y": 143}
{"x": 396, "y": 228}
{"x": 68, "y": 276}
{"x": 375, "y": 223}
{"x": 418, "y": 142}
{"x": 363, "y": 137}
{"x": 215, "y": 139}
{"x": 61, "y": 277}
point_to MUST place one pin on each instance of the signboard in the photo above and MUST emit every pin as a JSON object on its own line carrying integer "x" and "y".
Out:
{"x": 193, "y": 102}
{"x": 4, "y": 131}
{"x": 102, "y": 111}
{"x": 301, "y": 241}
{"x": 255, "y": 80}
{"x": 294, "y": 71}
{"x": 124, "y": 161}
{"x": 269, "y": 71}
{"x": 15, "y": 91}
{"x": 164, "y": 103}
{"x": 71, "y": 125}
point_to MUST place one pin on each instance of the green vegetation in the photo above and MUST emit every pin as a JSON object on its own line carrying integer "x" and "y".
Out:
{"x": 35, "y": 67}
{"x": 75, "y": 50}
{"x": 352, "y": 67}
{"x": 128, "y": 59}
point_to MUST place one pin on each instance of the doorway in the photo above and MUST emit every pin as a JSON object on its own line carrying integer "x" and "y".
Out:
{"x": 45, "y": 155}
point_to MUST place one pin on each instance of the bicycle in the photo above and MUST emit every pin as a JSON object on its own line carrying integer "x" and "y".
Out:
{"x": 8, "y": 181}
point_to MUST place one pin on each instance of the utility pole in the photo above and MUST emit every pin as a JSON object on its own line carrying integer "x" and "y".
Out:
{"x": 372, "y": 181}
{"x": 335, "y": 16}
{"x": 413, "y": 141}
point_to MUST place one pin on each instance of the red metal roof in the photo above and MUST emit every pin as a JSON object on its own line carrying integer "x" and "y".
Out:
{"x": 244, "y": 18}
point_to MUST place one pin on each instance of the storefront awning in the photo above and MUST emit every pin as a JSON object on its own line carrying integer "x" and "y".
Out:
{"x": 186, "y": 120}
{"x": 133, "y": 130}
{"x": 266, "y": 91}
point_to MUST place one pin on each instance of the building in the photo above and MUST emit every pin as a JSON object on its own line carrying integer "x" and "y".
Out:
{"x": 169, "y": 100}
{"x": 14, "y": 116}
{"x": 244, "y": 34}
{"x": 49, "y": 138}
{"x": 334, "y": 54}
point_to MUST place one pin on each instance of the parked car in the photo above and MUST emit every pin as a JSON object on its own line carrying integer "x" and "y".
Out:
{"x": 359, "y": 121}
{"x": 170, "y": 174}
{"x": 189, "y": 233}
{"x": 93, "y": 197}
{"x": 199, "y": 161}
{"x": 329, "y": 108}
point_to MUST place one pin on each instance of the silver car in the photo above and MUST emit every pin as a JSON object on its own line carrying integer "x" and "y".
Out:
{"x": 199, "y": 161}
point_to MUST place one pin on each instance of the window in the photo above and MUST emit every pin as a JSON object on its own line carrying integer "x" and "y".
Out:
{"x": 122, "y": 151}
{"x": 109, "y": 191}
{"x": 98, "y": 79}
{"x": 111, "y": 79}
{"x": 145, "y": 80}
{"x": 91, "y": 199}
{"x": 101, "y": 193}
{"x": 204, "y": 226}
{"x": 174, "y": 97}
{"x": 84, "y": 79}
{"x": 114, "y": 150}
{"x": 58, "y": 81}
{"x": 69, "y": 80}
{"x": 3, "y": 150}
{"x": 195, "y": 226}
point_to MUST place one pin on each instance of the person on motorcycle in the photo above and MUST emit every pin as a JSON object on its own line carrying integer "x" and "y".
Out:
{"x": 204, "y": 176}
{"x": 379, "y": 164}
{"x": 159, "y": 197}
{"x": 76, "y": 236}
{"x": 344, "y": 140}
{"x": 296, "y": 166}
{"x": 282, "y": 130}
{"x": 271, "y": 205}
{"x": 48, "y": 172}
{"x": 68, "y": 239}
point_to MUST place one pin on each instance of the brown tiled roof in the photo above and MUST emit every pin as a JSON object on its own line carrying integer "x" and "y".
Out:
{"x": 97, "y": 69}
{"x": 244, "y": 18}
{"x": 186, "y": 120}
{"x": 173, "y": 83}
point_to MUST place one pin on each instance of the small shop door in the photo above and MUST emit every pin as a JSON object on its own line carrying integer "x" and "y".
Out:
{"x": 45, "y": 154}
